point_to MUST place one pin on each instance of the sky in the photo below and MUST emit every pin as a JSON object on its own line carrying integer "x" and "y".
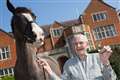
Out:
{"x": 48, "y": 11}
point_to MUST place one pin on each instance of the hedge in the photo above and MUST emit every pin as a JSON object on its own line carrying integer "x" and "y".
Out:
{"x": 7, "y": 78}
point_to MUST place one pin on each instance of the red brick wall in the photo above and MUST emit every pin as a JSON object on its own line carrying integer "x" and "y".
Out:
{"x": 5, "y": 41}
{"x": 50, "y": 41}
{"x": 57, "y": 41}
{"x": 68, "y": 32}
{"x": 97, "y": 6}
{"x": 48, "y": 44}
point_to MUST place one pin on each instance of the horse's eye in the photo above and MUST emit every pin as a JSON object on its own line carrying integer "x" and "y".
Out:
{"x": 33, "y": 15}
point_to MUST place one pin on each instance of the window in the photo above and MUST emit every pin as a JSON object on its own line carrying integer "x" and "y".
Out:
{"x": 77, "y": 29}
{"x": 4, "y": 53}
{"x": 89, "y": 40}
{"x": 57, "y": 32}
{"x": 7, "y": 71}
{"x": 104, "y": 32}
{"x": 1, "y": 72}
{"x": 99, "y": 16}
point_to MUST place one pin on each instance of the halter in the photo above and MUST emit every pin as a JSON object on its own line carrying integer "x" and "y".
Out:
{"x": 27, "y": 38}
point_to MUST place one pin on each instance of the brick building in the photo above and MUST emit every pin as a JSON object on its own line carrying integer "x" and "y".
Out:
{"x": 103, "y": 21}
{"x": 7, "y": 53}
{"x": 100, "y": 22}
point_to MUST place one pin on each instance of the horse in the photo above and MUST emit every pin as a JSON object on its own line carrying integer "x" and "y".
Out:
{"x": 28, "y": 36}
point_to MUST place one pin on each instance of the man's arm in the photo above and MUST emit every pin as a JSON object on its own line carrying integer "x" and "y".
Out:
{"x": 108, "y": 72}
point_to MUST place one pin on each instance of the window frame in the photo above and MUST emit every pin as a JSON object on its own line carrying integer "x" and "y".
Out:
{"x": 98, "y": 14}
{"x": 56, "y": 32}
{"x": 7, "y": 71}
{"x": 99, "y": 31}
{"x": 5, "y": 51}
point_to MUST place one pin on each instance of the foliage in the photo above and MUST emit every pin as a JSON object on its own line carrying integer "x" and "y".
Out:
{"x": 7, "y": 78}
{"x": 115, "y": 61}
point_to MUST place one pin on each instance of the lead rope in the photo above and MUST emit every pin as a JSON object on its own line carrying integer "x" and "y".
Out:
{"x": 43, "y": 69}
{"x": 44, "y": 73}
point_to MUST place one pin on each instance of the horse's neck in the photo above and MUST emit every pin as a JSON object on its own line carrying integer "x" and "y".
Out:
{"x": 25, "y": 51}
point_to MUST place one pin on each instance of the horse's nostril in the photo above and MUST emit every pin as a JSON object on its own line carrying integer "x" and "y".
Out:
{"x": 41, "y": 40}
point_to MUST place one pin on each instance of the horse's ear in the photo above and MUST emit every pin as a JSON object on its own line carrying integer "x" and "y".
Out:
{"x": 10, "y": 7}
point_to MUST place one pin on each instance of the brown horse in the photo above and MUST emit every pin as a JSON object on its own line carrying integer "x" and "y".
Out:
{"x": 28, "y": 36}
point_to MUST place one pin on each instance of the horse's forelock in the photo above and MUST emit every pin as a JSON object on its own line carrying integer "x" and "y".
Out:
{"x": 20, "y": 10}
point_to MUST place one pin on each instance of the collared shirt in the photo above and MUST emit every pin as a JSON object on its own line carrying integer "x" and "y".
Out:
{"x": 89, "y": 69}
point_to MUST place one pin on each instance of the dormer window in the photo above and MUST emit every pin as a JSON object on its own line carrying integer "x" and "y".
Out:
{"x": 99, "y": 16}
{"x": 56, "y": 32}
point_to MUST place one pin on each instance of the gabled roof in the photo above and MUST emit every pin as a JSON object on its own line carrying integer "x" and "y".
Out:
{"x": 71, "y": 23}
{"x": 56, "y": 22}
{"x": 107, "y": 4}
{"x": 65, "y": 24}
{"x": 46, "y": 29}
{"x": 9, "y": 34}
{"x": 101, "y": 2}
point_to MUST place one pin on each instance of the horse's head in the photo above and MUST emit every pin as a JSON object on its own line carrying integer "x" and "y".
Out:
{"x": 24, "y": 26}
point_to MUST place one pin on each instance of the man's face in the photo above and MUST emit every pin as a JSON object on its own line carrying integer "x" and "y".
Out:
{"x": 79, "y": 45}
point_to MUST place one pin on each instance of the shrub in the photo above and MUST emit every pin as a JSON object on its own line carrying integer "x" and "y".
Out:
{"x": 115, "y": 61}
{"x": 7, "y": 78}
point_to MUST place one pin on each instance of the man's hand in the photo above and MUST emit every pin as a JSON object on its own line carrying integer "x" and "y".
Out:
{"x": 44, "y": 64}
{"x": 105, "y": 54}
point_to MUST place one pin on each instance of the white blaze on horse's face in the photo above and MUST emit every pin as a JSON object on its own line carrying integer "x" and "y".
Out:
{"x": 36, "y": 29}
{"x": 39, "y": 33}
{"x": 28, "y": 16}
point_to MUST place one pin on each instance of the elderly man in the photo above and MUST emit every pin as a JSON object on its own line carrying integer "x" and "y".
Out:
{"x": 84, "y": 66}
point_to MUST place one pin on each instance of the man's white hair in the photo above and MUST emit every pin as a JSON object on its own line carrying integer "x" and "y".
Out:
{"x": 80, "y": 37}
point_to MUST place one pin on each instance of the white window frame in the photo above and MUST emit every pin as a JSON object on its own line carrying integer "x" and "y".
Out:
{"x": 8, "y": 71}
{"x": 55, "y": 29}
{"x": 101, "y": 12}
{"x": 89, "y": 40}
{"x": 96, "y": 33}
{"x": 6, "y": 51}
{"x": 77, "y": 29}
